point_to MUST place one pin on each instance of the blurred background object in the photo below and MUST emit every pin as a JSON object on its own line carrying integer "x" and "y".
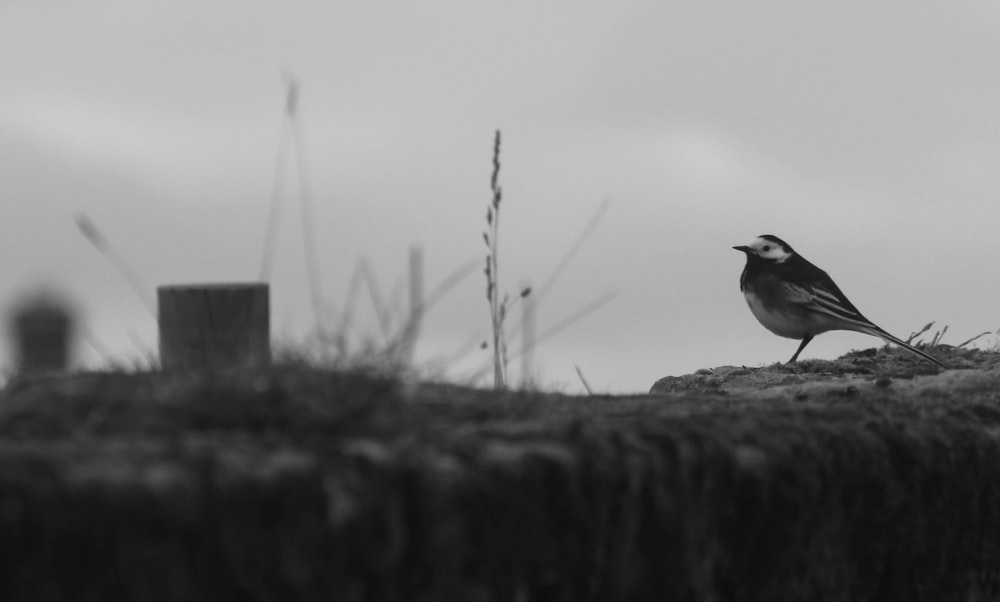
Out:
{"x": 214, "y": 326}
{"x": 43, "y": 328}
{"x": 866, "y": 135}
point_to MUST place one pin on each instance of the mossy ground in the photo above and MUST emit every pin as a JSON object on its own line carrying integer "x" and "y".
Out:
{"x": 847, "y": 480}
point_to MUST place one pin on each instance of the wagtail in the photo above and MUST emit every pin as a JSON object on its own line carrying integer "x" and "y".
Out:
{"x": 795, "y": 299}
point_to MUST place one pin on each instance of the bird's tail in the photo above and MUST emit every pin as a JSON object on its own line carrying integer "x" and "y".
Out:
{"x": 878, "y": 332}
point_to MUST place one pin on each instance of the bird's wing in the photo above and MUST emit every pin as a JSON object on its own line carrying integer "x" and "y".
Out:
{"x": 824, "y": 297}
{"x": 835, "y": 304}
{"x": 821, "y": 295}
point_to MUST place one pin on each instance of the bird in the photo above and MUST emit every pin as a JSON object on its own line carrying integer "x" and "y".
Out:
{"x": 793, "y": 298}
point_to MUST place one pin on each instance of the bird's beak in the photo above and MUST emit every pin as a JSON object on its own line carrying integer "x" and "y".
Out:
{"x": 744, "y": 248}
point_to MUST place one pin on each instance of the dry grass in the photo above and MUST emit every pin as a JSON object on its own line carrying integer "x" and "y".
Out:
{"x": 497, "y": 303}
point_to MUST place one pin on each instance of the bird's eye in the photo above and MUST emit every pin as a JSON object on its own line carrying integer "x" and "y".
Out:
{"x": 766, "y": 248}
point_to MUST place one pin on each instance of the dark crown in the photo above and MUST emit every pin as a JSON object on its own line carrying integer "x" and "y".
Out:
{"x": 778, "y": 241}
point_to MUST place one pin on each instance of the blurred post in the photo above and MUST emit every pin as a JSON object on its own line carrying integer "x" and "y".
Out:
{"x": 43, "y": 325}
{"x": 529, "y": 334}
{"x": 412, "y": 328}
{"x": 214, "y": 326}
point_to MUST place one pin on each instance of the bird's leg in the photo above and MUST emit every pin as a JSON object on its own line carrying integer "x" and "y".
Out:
{"x": 802, "y": 346}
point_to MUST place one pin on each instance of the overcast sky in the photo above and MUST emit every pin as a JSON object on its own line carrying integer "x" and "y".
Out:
{"x": 865, "y": 134}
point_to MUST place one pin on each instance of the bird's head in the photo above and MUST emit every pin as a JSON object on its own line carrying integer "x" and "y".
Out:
{"x": 768, "y": 248}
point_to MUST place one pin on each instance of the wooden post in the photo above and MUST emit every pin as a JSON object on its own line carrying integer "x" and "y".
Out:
{"x": 412, "y": 328}
{"x": 43, "y": 327}
{"x": 213, "y": 326}
{"x": 528, "y": 334}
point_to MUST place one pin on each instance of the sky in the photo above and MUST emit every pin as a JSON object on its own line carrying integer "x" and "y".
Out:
{"x": 867, "y": 135}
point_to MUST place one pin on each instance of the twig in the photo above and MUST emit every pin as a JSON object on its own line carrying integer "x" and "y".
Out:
{"x": 102, "y": 350}
{"x": 96, "y": 238}
{"x": 562, "y": 325}
{"x": 449, "y": 282}
{"x": 914, "y": 335}
{"x": 292, "y": 130}
{"x": 274, "y": 214}
{"x": 571, "y": 253}
{"x": 583, "y": 380}
{"x": 364, "y": 275}
{"x": 973, "y": 339}
{"x": 446, "y": 285}
{"x": 575, "y": 316}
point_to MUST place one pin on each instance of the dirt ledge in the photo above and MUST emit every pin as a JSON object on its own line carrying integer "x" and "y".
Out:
{"x": 734, "y": 484}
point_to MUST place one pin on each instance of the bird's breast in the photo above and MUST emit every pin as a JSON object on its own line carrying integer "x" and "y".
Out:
{"x": 780, "y": 319}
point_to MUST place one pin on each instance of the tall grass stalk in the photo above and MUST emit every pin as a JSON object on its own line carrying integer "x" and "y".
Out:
{"x": 292, "y": 142}
{"x": 498, "y": 305}
{"x": 476, "y": 339}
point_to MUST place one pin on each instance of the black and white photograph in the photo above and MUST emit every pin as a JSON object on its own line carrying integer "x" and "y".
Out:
{"x": 500, "y": 301}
